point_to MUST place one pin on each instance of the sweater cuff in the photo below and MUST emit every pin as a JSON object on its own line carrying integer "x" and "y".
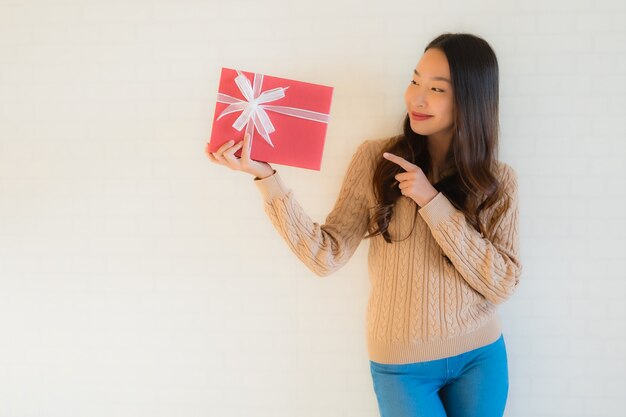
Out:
{"x": 437, "y": 210}
{"x": 271, "y": 187}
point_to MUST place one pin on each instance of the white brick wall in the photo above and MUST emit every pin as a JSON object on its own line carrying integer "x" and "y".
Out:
{"x": 136, "y": 279}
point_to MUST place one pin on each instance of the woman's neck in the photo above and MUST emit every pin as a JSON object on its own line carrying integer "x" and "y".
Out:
{"x": 438, "y": 147}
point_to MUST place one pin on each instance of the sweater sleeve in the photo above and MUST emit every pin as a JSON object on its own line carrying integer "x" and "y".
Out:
{"x": 490, "y": 265}
{"x": 327, "y": 247}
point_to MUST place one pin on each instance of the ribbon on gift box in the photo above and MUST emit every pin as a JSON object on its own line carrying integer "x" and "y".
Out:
{"x": 254, "y": 110}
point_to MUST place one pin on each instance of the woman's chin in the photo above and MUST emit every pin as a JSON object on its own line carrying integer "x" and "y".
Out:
{"x": 418, "y": 130}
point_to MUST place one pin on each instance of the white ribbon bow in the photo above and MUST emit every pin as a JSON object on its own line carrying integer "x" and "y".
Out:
{"x": 253, "y": 110}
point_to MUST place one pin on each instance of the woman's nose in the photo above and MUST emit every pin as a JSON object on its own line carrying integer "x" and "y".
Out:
{"x": 418, "y": 98}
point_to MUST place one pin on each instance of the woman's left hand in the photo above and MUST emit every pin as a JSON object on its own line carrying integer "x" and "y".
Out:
{"x": 413, "y": 183}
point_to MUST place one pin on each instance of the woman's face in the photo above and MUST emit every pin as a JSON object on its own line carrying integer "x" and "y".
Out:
{"x": 429, "y": 97}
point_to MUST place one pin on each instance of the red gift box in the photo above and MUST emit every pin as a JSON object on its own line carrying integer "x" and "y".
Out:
{"x": 287, "y": 119}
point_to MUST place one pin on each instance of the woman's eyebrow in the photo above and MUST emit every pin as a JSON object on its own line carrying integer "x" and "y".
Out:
{"x": 434, "y": 78}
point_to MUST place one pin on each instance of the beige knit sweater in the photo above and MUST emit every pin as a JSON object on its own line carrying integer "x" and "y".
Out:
{"x": 433, "y": 295}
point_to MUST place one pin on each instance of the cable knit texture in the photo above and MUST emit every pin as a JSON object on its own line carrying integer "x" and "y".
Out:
{"x": 432, "y": 295}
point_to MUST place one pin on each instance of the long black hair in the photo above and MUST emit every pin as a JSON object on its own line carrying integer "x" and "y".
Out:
{"x": 472, "y": 185}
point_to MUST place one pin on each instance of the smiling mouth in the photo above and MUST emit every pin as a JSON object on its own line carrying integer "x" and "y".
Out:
{"x": 420, "y": 116}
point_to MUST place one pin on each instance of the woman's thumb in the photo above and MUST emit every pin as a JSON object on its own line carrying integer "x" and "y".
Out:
{"x": 245, "y": 151}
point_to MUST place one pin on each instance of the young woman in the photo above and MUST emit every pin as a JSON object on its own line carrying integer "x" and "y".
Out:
{"x": 441, "y": 213}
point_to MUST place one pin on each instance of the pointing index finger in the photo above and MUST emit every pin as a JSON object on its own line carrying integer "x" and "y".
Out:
{"x": 400, "y": 161}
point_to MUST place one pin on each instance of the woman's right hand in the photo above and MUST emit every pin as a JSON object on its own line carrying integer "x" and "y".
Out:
{"x": 225, "y": 155}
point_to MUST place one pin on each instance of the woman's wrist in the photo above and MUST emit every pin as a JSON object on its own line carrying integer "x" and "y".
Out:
{"x": 264, "y": 175}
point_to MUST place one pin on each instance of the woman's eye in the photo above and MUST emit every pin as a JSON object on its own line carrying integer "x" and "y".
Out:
{"x": 438, "y": 90}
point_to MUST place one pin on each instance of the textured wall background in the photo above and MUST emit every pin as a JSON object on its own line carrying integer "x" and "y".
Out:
{"x": 137, "y": 279}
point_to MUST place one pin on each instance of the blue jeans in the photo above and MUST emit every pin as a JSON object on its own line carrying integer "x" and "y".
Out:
{"x": 472, "y": 384}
